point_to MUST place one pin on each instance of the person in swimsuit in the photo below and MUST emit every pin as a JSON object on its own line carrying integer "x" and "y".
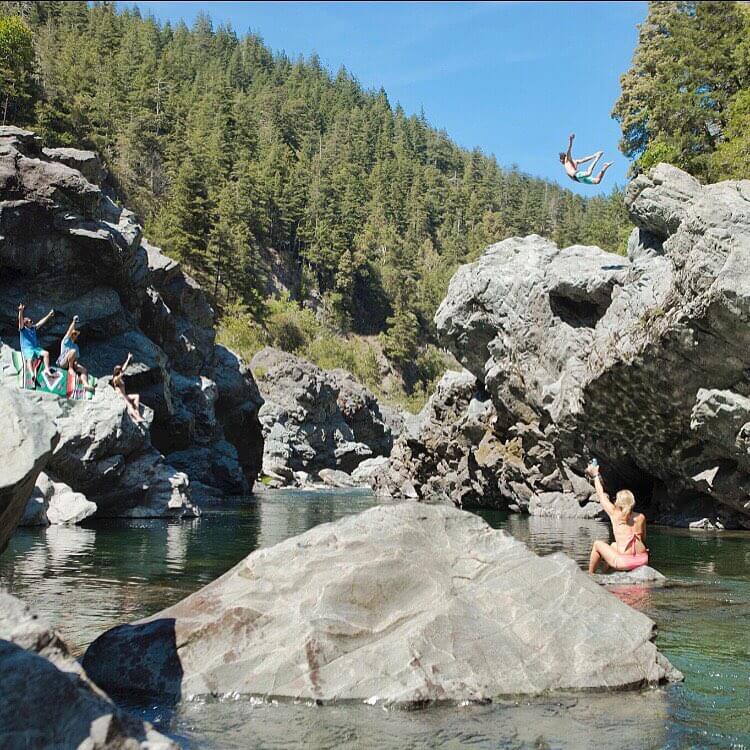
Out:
{"x": 132, "y": 400}
{"x": 572, "y": 165}
{"x": 27, "y": 335}
{"x": 628, "y": 550}
{"x": 69, "y": 353}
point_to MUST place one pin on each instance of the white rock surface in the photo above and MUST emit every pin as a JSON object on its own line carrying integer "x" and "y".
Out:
{"x": 27, "y": 439}
{"x": 401, "y": 604}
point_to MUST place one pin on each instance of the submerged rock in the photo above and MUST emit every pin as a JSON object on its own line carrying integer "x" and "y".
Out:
{"x": 401, "y": 604}
{"x": 48, "y": 699}
{"x": 27, "y": 440}
{"x": 641, "y": 362}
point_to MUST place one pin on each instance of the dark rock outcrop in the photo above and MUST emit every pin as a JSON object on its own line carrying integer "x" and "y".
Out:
{"x": 48, "y": 700}
{"x": 64, "y": 244}
{"x": 314, "y": 419}
{"x": 642, "y": 363}
{"x": 403, "y": 603}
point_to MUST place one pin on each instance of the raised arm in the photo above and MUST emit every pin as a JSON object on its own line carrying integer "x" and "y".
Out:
{"x": 45, "y": 319}
{"x": 128, "y": 360}
{"x": 21, "y": 312}
{"x": 571, "y": 138}
{"x": 72, "y": 326}
{"x": 601, "y": 495}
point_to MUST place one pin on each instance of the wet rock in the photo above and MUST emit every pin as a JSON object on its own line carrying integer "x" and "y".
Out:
{"x": 346, "y": 611}
{"x": 642, "y": 575}
{"x": 49, "y": 700}
{"x": 27, "y": 440}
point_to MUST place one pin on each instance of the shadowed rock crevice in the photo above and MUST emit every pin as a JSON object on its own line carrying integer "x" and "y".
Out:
{"x": 578, "y": 313}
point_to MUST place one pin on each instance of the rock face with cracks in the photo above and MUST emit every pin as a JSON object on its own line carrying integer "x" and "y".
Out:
{"x": 642, "y": 361}
{"x": 48, "y": 699}
{"x": 27, "y": 440}
{"x": 314, "y": 419}
{"x": 403, "y": 603}
{"x": 66, "y": 244}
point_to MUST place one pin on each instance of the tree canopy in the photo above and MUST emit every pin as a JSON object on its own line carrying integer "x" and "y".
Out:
{"x": 235, "y": 156}
{"x": 685, "y": 98}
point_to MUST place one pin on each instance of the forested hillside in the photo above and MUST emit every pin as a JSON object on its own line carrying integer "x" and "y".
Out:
{"x": 267, "y": 175}
{"x": 686, "y": 97}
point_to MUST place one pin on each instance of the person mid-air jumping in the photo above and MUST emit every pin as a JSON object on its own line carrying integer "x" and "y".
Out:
{"x": 584, "y": 176}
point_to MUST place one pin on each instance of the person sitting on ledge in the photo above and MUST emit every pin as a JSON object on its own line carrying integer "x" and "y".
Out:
{"x": 27, "y": 334}
{"x": 132, "y": 400}
{"x": 69, "y": 353}
{"x": 628, "y": 551}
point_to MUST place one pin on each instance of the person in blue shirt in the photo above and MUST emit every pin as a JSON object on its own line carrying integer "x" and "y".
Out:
{"x": 27, "y": 335}
{"x": 69, "y": 353}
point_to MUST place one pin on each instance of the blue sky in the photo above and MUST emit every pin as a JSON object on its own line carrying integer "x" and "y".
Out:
{"x": 512, "y": 78}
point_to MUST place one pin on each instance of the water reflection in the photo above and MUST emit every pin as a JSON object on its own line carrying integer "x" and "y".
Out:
{"x": 85, "y": 580}
{"x": 629, "y": 720}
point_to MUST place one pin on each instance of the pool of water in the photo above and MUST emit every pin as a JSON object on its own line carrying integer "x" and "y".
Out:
{"x": 85, "y": 580}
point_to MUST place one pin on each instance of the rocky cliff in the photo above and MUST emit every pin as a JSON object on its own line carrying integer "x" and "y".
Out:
{"x": 643, "y": 362}
{"x": 65, "y": 244}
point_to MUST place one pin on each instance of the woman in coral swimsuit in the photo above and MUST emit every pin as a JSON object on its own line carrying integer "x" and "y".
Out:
{"x": 628, "y": 550}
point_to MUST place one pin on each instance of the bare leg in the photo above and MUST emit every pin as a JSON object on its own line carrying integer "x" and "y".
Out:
{"x": 45, "y": 359}
{"x": 578, "y": 162}
{"x": 597, "y": 155}
{"x": 601, "y": 551}
{"x": 598, "y": 178}
{"x": 134, "y": 407}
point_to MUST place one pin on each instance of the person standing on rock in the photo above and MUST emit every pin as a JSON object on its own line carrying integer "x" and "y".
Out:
{"x": 572, "y": 165}
{"x": 628, "y": 551}
{"x": 30, "y": 348}
{"x": 132, "y": 400}
{"x": 69, "y": 353}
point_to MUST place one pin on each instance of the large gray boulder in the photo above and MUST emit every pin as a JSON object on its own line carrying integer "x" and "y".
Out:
{"x": 55, "y": 503}
{"x": 403, "y": 603}
{"x": 67, "y": 245}
{"x": 27, "y": 439}
{"x": 304, "y": 427}
{"x": 640, "y": 363}
{"x": 49, "y": 700}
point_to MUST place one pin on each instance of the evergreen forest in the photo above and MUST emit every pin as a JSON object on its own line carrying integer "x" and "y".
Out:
{"x": 318, "y": 215}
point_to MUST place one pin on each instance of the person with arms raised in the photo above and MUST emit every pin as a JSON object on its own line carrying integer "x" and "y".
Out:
{"x": 628, "y": 551}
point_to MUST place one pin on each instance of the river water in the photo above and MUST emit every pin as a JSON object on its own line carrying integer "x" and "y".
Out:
{"x": 85, "y": 580}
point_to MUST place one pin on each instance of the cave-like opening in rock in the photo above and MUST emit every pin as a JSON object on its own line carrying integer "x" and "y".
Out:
{"x": 625, "y": 474}
{"x": 577, "y": 313}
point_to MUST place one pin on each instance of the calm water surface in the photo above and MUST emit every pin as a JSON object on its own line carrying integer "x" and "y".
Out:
{"x": 84, "y": 580}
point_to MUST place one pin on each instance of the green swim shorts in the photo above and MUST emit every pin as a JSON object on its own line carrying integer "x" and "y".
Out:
{"x": 584, "y": 178}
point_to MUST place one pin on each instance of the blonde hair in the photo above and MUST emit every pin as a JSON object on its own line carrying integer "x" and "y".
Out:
{"x": 625, "y": 501}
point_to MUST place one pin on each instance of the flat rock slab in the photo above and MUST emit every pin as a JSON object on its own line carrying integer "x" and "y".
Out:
{"x": 400, "y": 604}
{"x": 640, "y": 576}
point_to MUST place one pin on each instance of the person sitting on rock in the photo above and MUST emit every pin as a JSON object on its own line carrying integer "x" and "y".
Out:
{"x": 69, "y": 353}
{"x": 583, "y": 176}
{"x": 132, "y": 400}
{"x": 628, "y": 551}
{"x": 27, "y": 329}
